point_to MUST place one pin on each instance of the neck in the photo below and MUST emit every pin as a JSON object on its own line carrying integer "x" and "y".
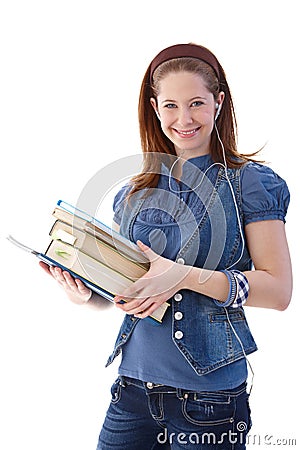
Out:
{"x": 188, "y": 154}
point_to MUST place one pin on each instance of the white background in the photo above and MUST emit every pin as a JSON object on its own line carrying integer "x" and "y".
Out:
{"x": 70, "y": 78}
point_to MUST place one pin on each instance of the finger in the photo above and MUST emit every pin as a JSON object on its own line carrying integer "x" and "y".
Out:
{"x": 76, "y": 286}
{"x": 126, "y": 303}
{"x": 58, "y": 275}
{"x": 82, "y": 288}
{"x": 136, "y": 308}
{"x": 147, "y": 312}
{"x": 69, "y": 280}
{"x": 55, "y": 272}
{"x": 151, "y": 255}
{"x": 45, "y": 267}
{"x": 133, "y": 292}
{"x": 80, "y": 285}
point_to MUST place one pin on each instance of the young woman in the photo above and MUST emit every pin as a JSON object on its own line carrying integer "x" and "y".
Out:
{"x": 211, "y": 222}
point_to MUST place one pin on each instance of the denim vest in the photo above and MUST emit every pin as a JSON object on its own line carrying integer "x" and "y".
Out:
{"x": 204, "y": 333}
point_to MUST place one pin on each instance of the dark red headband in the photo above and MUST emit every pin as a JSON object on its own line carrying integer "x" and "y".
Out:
{"x": 185, "y": 50}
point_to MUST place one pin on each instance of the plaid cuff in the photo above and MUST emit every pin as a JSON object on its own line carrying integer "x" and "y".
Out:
{"x": 243, "y": 288}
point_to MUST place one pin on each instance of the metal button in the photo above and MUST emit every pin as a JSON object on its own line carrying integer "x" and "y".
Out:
{"x": 149, "y": 385}
{"x": 178, "y": 335}
{"x": 180, "y": 261}
{"x": 178, "y": 297}
{"x": 178, "y": 315}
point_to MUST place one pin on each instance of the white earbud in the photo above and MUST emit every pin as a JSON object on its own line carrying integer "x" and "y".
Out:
{"x": 218, "y": 108}
{"x": 158, "y": 116}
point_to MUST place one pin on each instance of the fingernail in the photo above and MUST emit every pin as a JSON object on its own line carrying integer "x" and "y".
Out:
{"x": 142, "y": 244}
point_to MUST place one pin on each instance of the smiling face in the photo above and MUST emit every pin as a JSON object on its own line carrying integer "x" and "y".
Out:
{"x": 186, "y": 109}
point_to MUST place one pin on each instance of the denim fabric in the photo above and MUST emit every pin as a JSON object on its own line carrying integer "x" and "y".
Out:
{"x": 145, "y": 416}
{"x": 265, "y": 195}
{"x": 209, "y": 238}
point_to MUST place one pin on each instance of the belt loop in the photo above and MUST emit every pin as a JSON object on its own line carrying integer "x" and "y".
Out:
{"x": 180, "y": 393}
{"x": 122, "y": 381}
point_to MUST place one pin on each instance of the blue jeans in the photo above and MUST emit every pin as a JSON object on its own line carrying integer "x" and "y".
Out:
{"x": 148, "y": 416}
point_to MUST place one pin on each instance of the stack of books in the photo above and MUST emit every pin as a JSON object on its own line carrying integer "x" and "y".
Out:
{"x": 104, "y": 260}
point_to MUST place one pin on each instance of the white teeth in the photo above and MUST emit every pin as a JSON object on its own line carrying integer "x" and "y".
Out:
{"x": 186, "y": 132}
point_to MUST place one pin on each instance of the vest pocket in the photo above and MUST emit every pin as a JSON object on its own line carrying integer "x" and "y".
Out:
{"x": 232, "y": 334}
{"x": 218, "y": 342}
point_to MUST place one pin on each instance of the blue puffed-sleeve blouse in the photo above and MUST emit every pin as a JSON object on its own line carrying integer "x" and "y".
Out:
{"x": 265, "y": 195}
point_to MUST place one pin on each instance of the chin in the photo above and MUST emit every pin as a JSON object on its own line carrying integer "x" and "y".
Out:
{"x": 190, "y": 150}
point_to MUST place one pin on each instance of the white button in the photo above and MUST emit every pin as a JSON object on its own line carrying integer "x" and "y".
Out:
{"x": 178, "y": 315}
{"x": 178, "y": 297}
{"x": 180, "y": 261}
{"x": 178, "y": 335}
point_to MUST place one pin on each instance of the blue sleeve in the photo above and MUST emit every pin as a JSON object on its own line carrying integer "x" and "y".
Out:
{"x": 119, "y": 203}
{"x": 265, "y": 196}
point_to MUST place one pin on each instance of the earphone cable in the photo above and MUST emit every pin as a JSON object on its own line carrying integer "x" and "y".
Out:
{"x": 224, "y": 165}
{"x": 240, "y": 231}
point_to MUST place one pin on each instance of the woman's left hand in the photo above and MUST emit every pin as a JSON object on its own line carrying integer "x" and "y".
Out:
{"x": 164, "y": 278}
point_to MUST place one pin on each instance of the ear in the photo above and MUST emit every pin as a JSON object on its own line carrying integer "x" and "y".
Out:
{"x": 220, "y": 98}
{"x": 154, "y": 105}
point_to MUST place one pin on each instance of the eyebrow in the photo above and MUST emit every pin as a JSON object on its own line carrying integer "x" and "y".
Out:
{"x": 191, "y": 99}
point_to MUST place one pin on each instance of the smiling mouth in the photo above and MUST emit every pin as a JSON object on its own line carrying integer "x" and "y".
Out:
{"x": 187, "y": 133}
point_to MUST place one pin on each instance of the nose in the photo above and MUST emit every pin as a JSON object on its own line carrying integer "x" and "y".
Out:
{"x": 184, "y": 116}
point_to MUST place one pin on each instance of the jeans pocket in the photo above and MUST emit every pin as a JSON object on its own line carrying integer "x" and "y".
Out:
{"x": 116, "y": 391}
{"x": 208, "y": 409}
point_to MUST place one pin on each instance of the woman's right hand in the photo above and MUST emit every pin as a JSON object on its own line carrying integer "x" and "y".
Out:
{"x": 76, "y": 291}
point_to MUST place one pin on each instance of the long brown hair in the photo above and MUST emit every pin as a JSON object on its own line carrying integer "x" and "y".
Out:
{"x": 153, "y": 140}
